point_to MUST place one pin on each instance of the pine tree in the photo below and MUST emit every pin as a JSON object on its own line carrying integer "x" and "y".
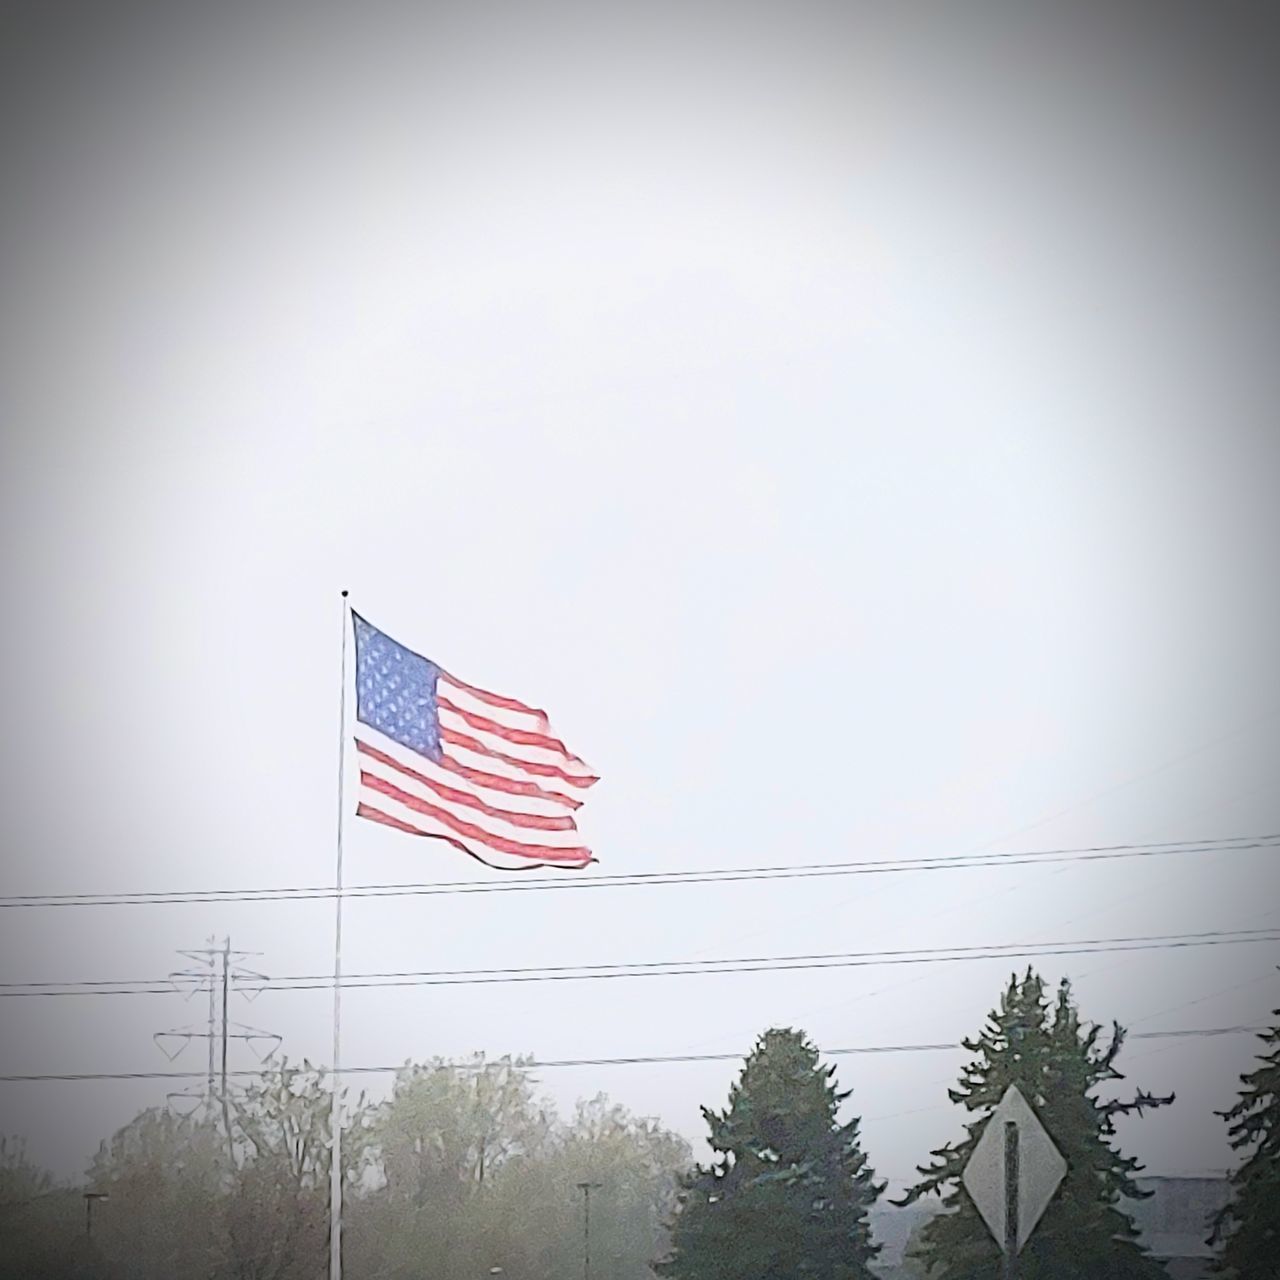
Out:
{"x": 1058, "y": 1065}
{"x": 788, "y": 1193}
{"x": 1249, "y": 1227}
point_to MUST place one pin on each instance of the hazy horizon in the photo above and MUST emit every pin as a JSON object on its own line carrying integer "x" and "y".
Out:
{"x": 855, "y": 427}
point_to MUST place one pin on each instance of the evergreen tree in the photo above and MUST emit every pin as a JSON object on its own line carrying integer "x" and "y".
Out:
{"x": 1058, "y": 1065}
{"x": 1249, "y": 1227}
{"x": 788, "y": 1193}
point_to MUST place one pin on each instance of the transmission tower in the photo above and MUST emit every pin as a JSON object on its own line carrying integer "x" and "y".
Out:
{"x": 218, "y": 972}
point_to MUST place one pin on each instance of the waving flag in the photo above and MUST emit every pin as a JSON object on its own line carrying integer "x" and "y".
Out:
{"x": 442, "y": 758}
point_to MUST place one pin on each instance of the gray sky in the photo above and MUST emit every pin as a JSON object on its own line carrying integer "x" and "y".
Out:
{"x": 859, "y": 434}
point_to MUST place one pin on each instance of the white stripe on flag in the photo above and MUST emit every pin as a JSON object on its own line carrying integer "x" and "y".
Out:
{"x": 437, "y": 799}
{"x": 447, "y": 780}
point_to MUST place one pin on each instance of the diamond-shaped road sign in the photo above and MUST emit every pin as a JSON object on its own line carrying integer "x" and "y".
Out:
{"x": 1037, "y": 1166}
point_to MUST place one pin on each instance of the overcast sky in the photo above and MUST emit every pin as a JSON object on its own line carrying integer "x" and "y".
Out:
{"x": 858, "y": 432}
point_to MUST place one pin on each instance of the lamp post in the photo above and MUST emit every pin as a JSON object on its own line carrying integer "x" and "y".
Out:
{"x": 587, "y": 1188}
{"x": 89, "y": 1198}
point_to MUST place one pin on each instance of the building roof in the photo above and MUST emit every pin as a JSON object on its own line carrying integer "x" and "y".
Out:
{"x": 1174, "y": 1222}
{"x": 1178, "y": 1218}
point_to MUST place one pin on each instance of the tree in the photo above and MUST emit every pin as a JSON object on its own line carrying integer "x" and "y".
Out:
{"x": 1058, "y": 1065}
{"x": 276, "y": 1211}
{"x": 789, "y": 1191}
{"x": 40, "y": 1221}
{"x": 914, "y": 1265}
{"x": 445, "y": 1131}
{"x": 635, "y": 1165}
{"x": 164, "y": 1174}
{"x": 473, "y": 1171}
{"x": 439, "y": 1143}
{"x": 462, "y": 1169}
{"x": 1248, "y": 1229}
{"x": 22, "y": 1181}
{"x": 182, "y": 1202}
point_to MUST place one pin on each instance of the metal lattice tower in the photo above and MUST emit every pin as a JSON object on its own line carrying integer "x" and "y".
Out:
{"x": 217, "y": 972}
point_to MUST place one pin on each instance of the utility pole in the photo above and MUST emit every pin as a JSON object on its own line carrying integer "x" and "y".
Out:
{"x": 587, "y": 1188}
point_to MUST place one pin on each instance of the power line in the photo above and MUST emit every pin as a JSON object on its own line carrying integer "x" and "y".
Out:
{"x": 677, "y": 968}
{"x": 1125, "y": 783}
{"x": 638, "y": 1060}
{"x": 286, "y": 981}
{"x": 1269, "y": 976}
{"x": 721, "y": 875}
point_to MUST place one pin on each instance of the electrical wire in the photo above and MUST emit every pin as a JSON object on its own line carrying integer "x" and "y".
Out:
{"x": 721, "y": 875}
{"x": 671, "y": 968}
{"x": 635, "y": 1061}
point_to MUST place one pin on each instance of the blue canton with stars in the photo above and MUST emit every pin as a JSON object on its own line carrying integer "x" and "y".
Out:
{"x": 396, "y": 691}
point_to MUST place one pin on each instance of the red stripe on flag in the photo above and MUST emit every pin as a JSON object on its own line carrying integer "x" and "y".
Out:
{"x": 494, "y": 699}
{"x": 496, "y": 782}
{"x": 376, "y": 815}
{"x": 455, "y": 739}
{"x": 521, "y": 737}
{"x": 534, "y": 821}
{"x": 469, "y": 831}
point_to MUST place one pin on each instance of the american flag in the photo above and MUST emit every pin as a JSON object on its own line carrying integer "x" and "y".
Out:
{"x": 442, "y": 758}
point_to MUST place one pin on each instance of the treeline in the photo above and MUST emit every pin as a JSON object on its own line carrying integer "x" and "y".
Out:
{"x": 460, "y": 1171}
{"x": 789, "y": 1191}
{"x": 463, "y": 1174}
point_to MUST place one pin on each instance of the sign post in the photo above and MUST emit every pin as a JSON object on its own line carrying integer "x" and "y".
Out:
{"x": 1010, "y": 1200}
{"x": 1013, "y": 1173}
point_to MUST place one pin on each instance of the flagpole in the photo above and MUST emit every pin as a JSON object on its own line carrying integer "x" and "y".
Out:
{"x": 335, "y": 1115}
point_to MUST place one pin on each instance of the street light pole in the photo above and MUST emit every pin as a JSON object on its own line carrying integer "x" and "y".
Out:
{"x": 587, "y": 1188}
{"x": 89, "y": 1198}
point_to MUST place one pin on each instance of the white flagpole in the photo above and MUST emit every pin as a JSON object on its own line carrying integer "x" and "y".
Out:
{"x": 335, "y": 1116}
